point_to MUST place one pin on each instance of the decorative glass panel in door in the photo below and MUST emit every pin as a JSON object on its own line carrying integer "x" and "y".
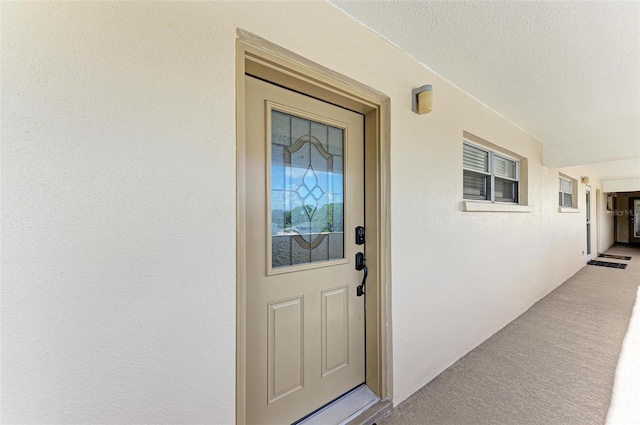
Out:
{"x": 307, "y": 191}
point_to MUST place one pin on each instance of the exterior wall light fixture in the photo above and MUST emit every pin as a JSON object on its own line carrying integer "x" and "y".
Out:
{"x": 422, "y": 99}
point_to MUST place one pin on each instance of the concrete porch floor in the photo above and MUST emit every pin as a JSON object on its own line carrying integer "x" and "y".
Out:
{"x": 555, "y": 364}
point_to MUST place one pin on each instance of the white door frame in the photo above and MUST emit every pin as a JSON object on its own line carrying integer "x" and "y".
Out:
{"x": 260, "y": 58}
{"x": 589, "y": 223}
{"x": 598, "y": 216}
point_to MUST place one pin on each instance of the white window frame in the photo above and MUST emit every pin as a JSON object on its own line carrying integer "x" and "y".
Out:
{"x": 491, "y": 153}
{"x": 562, "y": 205}
{"x": 574, "y": 194}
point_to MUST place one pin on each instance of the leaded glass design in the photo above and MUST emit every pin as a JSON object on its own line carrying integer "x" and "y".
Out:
{"x": 307, "y": 191}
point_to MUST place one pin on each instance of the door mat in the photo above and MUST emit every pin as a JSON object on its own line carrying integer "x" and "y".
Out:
{"x": 617, "y": 257}
{"x": 607, "y": 264}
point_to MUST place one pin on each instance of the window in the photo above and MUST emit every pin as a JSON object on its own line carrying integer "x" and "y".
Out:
{"x": 489, "y": 175}
{"x": 566, "y": 193}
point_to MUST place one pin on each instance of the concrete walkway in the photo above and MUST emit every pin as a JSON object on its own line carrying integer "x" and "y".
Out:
{"x": 555, "y": 364}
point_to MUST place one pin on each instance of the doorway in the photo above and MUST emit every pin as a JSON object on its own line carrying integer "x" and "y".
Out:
{"x": 634, "y": 220}
{"x": 588, "y": 215}
{"x": 598, "y": 216}
{"x": 304, "y": 336}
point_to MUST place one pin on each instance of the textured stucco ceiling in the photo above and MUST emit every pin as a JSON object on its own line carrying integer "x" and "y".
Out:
{"x": 566, "y": 72}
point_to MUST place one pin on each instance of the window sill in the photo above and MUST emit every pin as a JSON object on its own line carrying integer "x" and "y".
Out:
{"x": 568, "y": 210}
{"x": 471, "y": 206}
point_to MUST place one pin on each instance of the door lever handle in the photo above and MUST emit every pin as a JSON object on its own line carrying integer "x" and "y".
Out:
{"x": 361, "y": 264}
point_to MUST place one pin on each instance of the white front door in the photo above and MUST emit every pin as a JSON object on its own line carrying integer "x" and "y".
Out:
{"x": 304, "y": 198}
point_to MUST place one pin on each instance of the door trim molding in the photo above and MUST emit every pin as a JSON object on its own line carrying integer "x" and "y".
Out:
{"x": 589, "y": 222}
{"x": 265, "y": 60}
{"x": 631, "y": 219}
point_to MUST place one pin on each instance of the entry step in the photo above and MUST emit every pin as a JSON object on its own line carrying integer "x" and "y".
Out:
{"x": 344, "y": 409}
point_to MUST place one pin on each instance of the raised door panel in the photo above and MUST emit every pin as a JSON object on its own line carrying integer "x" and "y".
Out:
{"x": 286, "y": 351}
{"x": 335, "y": 330}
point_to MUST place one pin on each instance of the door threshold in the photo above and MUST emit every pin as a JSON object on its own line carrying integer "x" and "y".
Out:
{"x": 344, "y": 409}
{"x": 373, "y": 414}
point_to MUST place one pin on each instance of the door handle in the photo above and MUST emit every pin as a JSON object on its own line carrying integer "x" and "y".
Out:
{"x": 361, "y": 264}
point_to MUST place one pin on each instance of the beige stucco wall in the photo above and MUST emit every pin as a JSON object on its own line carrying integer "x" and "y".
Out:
{"x": 606, "y": 227}
{"x": 621, "y": 185}
{"x": 118, "y": 226}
